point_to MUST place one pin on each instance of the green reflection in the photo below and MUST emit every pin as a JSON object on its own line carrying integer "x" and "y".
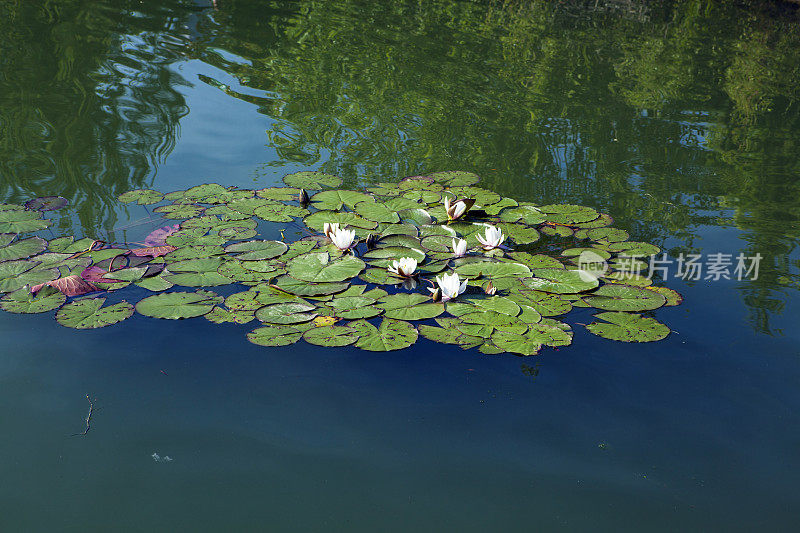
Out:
{"x": 88, "y": 104}
{"x": 669, "y": 115}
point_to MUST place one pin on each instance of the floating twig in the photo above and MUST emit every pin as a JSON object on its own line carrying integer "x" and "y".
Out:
{"x": 88, "y": 418}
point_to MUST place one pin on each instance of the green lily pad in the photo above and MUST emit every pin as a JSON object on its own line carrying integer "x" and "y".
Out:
{"x": 498, "y": 206}
{"x": 257, "y": 250}
{"x": 21, "y": 249}
{"x": 615, "y": 297}
{"x": 283, "y": 194}
{"x": 16, "y": 274}
{"x": 628, "y": 327}
{"x": 354, "y": 307}
{"x": 304, "y": 288}
{"x": 492, "y": 269}
{"x": 634, "y": 249}
{"x": 237, "y": 233}
{"x": 275, "y": 335}
{"x": 526, "y": 214}
{"x": 89, "y": 313}
{"x": 141, "y": 197}
{"x": 286, "y": 313}
{"x": 316, "y": 221}
{"x": 23, "y": 301}
{"x": 312, "y": 180}
{"x": 155, "y": 284}
{"x": 673, "y": 297}
{"x": 331, "y": 336}
{"x": 177, "y": 305}
{"x": 317, "y": 267}
{"x": 409, "y": 306}
{"x": 21, "y": 221}
{"x": 519, "y": 233}
{"x": 607, "y": 234}
{"x": 546, "y": 304}
{"x": 334, "y": 200}
{"x": 561, "y": 281}
{"x": 179, "y": 211}
{"x": 377, "y": 212}
{"x": 390, "y": 335}
{"x": 220, "y": 315}
{"x": 449, "y": 335}
{"x": 280, "y": 212}
{"x": 568, "y": 214}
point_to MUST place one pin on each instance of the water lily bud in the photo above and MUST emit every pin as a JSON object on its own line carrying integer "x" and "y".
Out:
{"x": 490, "y": 289}
{"x": 371, "y": 241}
{"x": 302, "y": 197}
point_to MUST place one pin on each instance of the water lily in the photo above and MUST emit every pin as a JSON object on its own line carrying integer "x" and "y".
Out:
{"x": 450, "y": 286}
{"x": 459, "y": 248}
{"x": 404, "y": 268}
{"x": 494, "y": 238}
{"x": 330, "y": 227}
{"x": 457, "y": 209}
{"x": 342, "y": 238}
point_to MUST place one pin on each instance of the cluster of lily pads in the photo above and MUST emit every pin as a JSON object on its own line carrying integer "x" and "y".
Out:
{"x": 431, "y": 255}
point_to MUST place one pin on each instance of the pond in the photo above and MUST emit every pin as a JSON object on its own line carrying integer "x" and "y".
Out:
{"x": 681, "y": 120}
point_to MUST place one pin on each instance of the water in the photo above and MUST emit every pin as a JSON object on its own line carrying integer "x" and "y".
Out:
{"x": 681, "y": 120}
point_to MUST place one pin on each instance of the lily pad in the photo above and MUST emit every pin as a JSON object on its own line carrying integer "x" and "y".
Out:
{"x": 615, "y": 297}
{"x": 16, "y": 274}
{"x": 568, "y": 214}
{"x": 90, "y": 313}
{"x": 493, "y": 269}
{"x": 275, "y": 335}
{"x": 561, "y": 281}
{"x": 317, "y": 267}
{"x": 312, "y": 180}
{"x": 331, "y": 336}
{"x": 21, "y": 249}
{"x": 23, "y": 301}
{"x": 316, "y": 221}
{"x": 257, "y": 250}
{"x": 628, "y": 327}
{"x": 409, "y": 306}
{"x": 377, "y": 212}
{"x": 141, "y": 197}
{"x": 334, "y": 200}
{"x": 286, "y": 313}
{"x": 390, "y": 335}
{"x": 634, "y": 249}
{"x": 177, "y": 305}
{"x": 21, "y": 221}
{"x": 304, "y": 288}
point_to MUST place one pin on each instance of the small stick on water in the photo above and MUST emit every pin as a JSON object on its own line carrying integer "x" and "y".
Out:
{"x": 88, "y": 418}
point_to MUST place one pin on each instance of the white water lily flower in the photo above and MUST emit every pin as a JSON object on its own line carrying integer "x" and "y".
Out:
{"x": 342, "y": 238}
{"x": 450, "y": 286}
{"x": 457, "y": 209}
{"x": 459, "y": 248}
{"x": 404, "y": 268}
{"x": 494, "y": 238}
{"x": 330, "y": 227}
